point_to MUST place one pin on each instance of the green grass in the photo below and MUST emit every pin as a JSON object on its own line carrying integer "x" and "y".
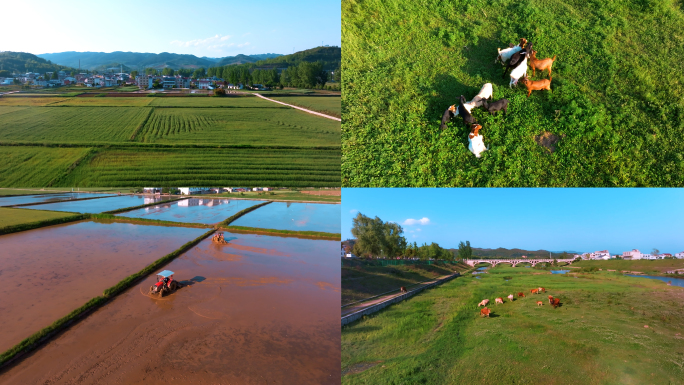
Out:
{"x": 287, "y": 195}
{"x": 71, "y": 125}
{"x": 597, "y": 336}
{"x": 657, "y": 266}
{"x": 28, "y": 101}
{"x": 325, "y": 104}
{"x": 36, "y": 166}
{"x": 242, "y": 102}
{"x": 304, "y": 234}
{"x": 7, "y": 110}
{"x": 617, "y": 99}
{"x": 107, "y": 102}
{"x": 276, "y": 127}
{"x": 14, "y": 217}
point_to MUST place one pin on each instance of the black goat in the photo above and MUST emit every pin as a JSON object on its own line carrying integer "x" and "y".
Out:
{"x": 468, "y": 119}
{"x": 498, "y": 105}
{"x": 448, "y": 114}
{"x": 518, "y": 57}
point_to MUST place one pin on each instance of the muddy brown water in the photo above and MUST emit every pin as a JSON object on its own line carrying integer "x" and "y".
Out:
{"x": 323, "y": 217}
{"x": 260, "y": 310}
{"x": 96, "y": 206}
{"x": 47, "y": 198}
{"x": 193, "y": 210}
{"x": 47, "y": 273}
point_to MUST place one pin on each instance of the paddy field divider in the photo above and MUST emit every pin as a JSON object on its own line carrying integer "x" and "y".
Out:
{"x": 285, "y": 233}
{"x": 123, "y": 210}
{"x": 43, "y": 223}
{"x": 241, "y": 213}
{"x": 65, "y": 200}
{"x": 34, "y": 341}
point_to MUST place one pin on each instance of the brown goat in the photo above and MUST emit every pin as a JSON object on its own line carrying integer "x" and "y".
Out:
{"x": 536, "y": 85}
{"x": 541, "y": 65}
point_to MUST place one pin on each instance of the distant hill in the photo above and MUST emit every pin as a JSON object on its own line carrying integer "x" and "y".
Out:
{"x": 21, "y": 62}
{"x": 330, "y": 56}
{"x": 135, "y": 60}
{"x": 511, "y": 253}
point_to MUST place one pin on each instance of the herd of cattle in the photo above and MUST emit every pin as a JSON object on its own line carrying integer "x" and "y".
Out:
{"x": 484, "y": 312}
{"x": 514, "y": 58}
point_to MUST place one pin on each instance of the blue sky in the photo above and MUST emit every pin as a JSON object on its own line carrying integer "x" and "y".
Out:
{"x": 552, "y": 219}
{"x": 213, "y": 28}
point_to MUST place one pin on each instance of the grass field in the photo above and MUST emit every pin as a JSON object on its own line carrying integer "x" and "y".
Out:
{"x": 28, "y": 101}
{"x": 106, "y": 102}
{"x": 360, "y": 280}
{"x": 324, "y": 104}
{"x": 243, "y": 102}
{"x": 597, "y": 336}
{"x": 36, "y": 166}
{"x": 644, "y": 266}
{"x": 617, "y": 99}
{"x": 8, "y": 110}
{"x": 12, "y": 217}
{"x": 288, "y": 195}
{"x": 12, "y": 191}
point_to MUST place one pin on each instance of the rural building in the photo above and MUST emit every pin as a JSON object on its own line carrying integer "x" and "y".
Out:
{"x": 191, "y": 190}
{"x": 168, "y": 82}
{"x": 204, "y": 84}
{"x": 634, "y": 254}
{"x": 679, "y": 255}
{"x": 152, "y": 190}
{"x": 603, "y": 254}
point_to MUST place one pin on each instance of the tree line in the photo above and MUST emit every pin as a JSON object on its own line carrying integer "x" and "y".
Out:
{"x": 377, "y": 239}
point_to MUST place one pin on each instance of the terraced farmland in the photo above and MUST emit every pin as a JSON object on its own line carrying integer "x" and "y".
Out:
{"x": 71, "y": 125}
{"x": 36, "y": 166}
{"x": 275, "y": 127}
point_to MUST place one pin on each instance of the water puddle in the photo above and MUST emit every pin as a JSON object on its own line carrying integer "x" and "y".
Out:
{"x": 294, "y": 217}
{"x": 193, "y": 210}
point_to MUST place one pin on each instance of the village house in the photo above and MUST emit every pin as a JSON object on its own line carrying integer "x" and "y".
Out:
{"x": 634, "y": 254}
{"x": 603, "y": 254}
{"x": 152, "y": 190}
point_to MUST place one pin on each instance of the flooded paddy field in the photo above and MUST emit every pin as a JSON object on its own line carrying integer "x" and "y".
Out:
{"x": 294, "y": 217}
{"x": 193, "y": 210}
{"x": 47, "y": 198}
{"x": 261, "y": 309}
{"x": 96, "y": 206}
{"x": 48, "y": 272}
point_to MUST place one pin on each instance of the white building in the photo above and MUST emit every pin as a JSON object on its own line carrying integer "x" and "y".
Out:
{"x": 634, "y": 254}
{"x": 603, "y": 254}
{"x": 152, "y": 190}
{"x": 191, "y": 190}
{"x": 679, "y": 255}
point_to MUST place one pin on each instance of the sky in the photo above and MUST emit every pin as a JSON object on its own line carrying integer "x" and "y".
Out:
{"x": 564, "y": 219}
{"x": 213, "y": 28}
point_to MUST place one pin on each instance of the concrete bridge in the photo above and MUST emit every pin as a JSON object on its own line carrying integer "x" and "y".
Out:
{"x": 514, "y": 262}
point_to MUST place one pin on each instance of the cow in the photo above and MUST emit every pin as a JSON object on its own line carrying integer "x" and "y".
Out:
{"x": 483, "y": 303}
{"x": 521, "y": 294}
{"x": 403, "y": 289}
{"x": 534, "y": 291}
{"x": 540, "y": 303}
{"x": 541, "y": 289}
{"x": 510, "y": 297}
{"x": 485, "y": 312}
{"x": 499, "y": 300}
{"x": 556, "y": 302}
{"x": 551, "y": 300}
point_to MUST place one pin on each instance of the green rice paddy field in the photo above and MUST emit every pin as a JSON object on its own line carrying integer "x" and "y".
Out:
{"x": 13, "y": 217}
{"x": 616, "y": 105}
{"x": 118, "y": 141}
{"x": 324, "y": 104}
{"x": 597, "y": 336}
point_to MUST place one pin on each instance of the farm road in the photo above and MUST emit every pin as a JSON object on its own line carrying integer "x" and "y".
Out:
{"x": 300, "y": 108}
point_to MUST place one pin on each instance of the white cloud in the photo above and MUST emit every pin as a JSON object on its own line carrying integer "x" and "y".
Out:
{"x": 411, "y": 222}
{"x": 210, "y": 41}
{"x": 353, "y": 211}
{"x": 418, "y": 229}
{"x": 248, "y": 33}
{"x": 243, "y": 44}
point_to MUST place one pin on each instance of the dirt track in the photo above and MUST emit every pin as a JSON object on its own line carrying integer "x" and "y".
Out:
{"x": 260, "y": 310}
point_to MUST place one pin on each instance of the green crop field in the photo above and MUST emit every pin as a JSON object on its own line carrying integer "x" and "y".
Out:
{"x": 36, "y": 166}
{"x": 7, "y": 110}
{"x": 645, "y": 266}
{"x": 71, "y": 125}
{"x": 104, "y": 101}
{"x": 324, "y": 104}
{"x": 616, "y": 105}
{"x": 283, "y": 127}
{"x": 199, "y": 101}
{"x": 28, "y": 101}
{"x": 597, "y": 336}
{"x": 12, "y": 216}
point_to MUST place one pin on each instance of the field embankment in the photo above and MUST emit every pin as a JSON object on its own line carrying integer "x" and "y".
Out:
{"x": 596, "y": 336}
{"x": 657, "y": 266}
{"x": 613, "y": 117}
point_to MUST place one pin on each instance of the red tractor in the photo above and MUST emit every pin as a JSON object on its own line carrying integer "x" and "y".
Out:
{"x": 165, "y": 283}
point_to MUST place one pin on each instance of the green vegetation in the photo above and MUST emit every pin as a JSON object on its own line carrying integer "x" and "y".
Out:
{"x": 363, "y": 279}
{"x": 657, "y": 266}
{"x": 204, "y": 102}
{"x": 13, "y": 220}
{"x": 27, "y": 101}
{"x": 21, "y": 62}
{"x": 597, "y": 336}
{"x": 305, "y": 234}
{"x": 110, "y": 218}
{"x": 329, "y": 105}
{"x": 616, "y": 103}
{"x": 279, "y": 195}
{"x": 103, "y": 102}
{"x": 36, "y": 166}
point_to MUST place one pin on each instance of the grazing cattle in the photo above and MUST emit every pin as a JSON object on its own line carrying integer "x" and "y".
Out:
{"x": 501, "y": 104}
{"x": 521, "y": 294}
{"x": 476, "y": 141}
{"x": 448, "y": 114}
{"x": 485, "y": 93}
{"x": 483, "y": 303}
{"x": 551, "y": 299}
{"x": 535, "y": 85}
{"x": 517, "y": 73}
{"x": 541, "y": 65}
{"x": 468, "y": 118}
{"x": 556, "y": 302}
{"x": 485, "y": 312}
{"x": 499, "y": 300}
{"x": 534, "y": 291}
{"x": 540, "y": 303}
{"x": 510, "y": 297}
{"x": 403, "y": 289}
{"x": 541, "y": 289}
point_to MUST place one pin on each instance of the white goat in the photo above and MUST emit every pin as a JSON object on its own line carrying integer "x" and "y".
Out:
{"x": 476, "y": 141}
{"x": 485, "y": 93}
{"x": 505, "y": 54}
{"x": 518, "y": 72}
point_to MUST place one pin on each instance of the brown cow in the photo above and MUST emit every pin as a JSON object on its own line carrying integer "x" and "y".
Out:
{"x": 499, "y": 300}
{"x": 534, "y": 291}
{"x": 556, "y": 302}
{"x": 551, "y": 299}
{"x": 521, "y": 294}
{"x": 403, "y": 289}
{"x": 484, "y": 312}
{"x": 540, "y": 303}
{"x": 541, "y": 289}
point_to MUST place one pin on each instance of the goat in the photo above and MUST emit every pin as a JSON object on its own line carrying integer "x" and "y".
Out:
{"x": 556, "y": 302}
{"x": 505, "y": 54}
{"x": 536, "y": 85}
{"x": 534, "y": 291}
{"x": 540, "y": 303}
{"x": 475, "y": 141}
{"x": 541, "y": 65}
{"x": 551, "y": 299}
{"x": 541, "y": 289}
{"x": 468, "y": 119}
{"x": 402, "y": 290}
{"x": 510, "y": 297}
{"x": 499, "y": 300}
{"x": 485, "y": 93}
{"x": 518, "y": 72}
{"x": 518, "y": 58}
{"x": 448, "y": 114}
{"x": 485, "y": 312}
{"x": 521, "y": 294}
{"x": 483, "y": 303}
{"x": 501, "y": 104}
